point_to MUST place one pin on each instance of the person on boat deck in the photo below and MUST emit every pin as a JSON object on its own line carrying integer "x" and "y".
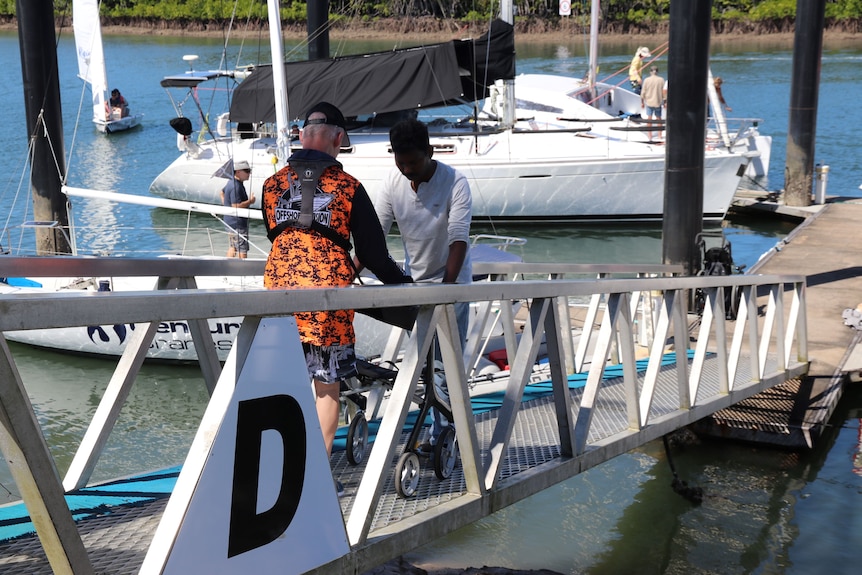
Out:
{"x": 432, "y": 205}
{"x": 717, "y": 82}
{"x": 318, "y": 256}
{"x": 234, "y": 195}
{"x": 118, "y": 102}
{"x": 636, "y": 68}
{"x": 653, "y": 98}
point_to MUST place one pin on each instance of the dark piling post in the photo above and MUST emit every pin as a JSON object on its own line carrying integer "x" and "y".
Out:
{"x": 318, "y": 29}
{"x": 688, "y": 59}
{"x": 804, "y": 89}
{"x": 44, "y": 122}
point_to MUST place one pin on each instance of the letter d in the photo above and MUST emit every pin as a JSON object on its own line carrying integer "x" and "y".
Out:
{"x": 282, "y": 413}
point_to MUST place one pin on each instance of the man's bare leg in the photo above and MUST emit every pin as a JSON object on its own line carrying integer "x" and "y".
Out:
{"x": 327, "y": 411}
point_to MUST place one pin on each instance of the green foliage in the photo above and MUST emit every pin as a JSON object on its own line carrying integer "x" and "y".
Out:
{"x": 292, "y": 12}
{"x": 773, "y": 10}
{"x": 731, "y": 10}
{"x": 844, "y": 9}
{"x": 382, "y": 9}
{"x": 473, "y": 16}
{"x": 7, "y": 7}
{"x": 627, "y": 11}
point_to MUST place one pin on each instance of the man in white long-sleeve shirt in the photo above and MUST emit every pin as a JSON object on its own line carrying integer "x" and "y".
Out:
{"x": 432, "y": 205}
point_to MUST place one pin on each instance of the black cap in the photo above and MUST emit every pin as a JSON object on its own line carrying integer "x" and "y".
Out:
{"x": 332, "y": 116}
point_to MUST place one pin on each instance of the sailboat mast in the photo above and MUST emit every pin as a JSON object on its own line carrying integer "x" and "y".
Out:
{"x": 44, "y": 122}
{"x": 507, "y": 14}
{"x": 279, "y": 81}
{"x": 318, "y": 29}
{"x": 594, "y": 45}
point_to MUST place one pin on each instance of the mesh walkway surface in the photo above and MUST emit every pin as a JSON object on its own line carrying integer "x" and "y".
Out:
{"x": 117, "y": 540}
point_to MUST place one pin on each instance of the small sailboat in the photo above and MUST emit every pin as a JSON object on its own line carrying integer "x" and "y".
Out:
{"x": 91, "y": 69}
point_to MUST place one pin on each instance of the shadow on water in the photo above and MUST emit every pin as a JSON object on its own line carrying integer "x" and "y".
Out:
{"x": 761, "y": 507}
{"x": 630, "y": 243}
{"x": 577, "y": 243}
{"x": 200, "y": 234}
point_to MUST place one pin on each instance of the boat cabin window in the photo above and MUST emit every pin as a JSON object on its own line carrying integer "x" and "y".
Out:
{"x": 536, "y": 107}
{"x": 389, "y": 119}
{"x": 438, "y": 148}
{"x": 245, "y": 130}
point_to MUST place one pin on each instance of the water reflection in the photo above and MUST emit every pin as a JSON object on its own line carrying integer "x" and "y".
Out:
{"x": 763, "y": 510}
{"x": 202, "y": 234}
{"x": 751, "y": 236}
{"x": 155, "y": 427}
{"x": 583, "y": 243}
{"x": 98, "y": 161}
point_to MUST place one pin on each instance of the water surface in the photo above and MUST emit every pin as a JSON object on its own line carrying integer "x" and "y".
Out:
{"x": 765, "y": 511}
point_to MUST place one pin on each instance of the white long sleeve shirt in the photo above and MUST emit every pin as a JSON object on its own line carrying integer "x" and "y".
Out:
{"x": 429, "y": 220}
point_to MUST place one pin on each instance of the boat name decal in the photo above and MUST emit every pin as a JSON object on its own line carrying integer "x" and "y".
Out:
{"x": 119, "y": 329}
{"x": 180, "y": 335}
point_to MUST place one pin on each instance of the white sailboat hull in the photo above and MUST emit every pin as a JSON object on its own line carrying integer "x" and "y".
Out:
{"x": 172, "y": 341}
{"x": 515, "y": 176}
{"x": 120, "y": 125}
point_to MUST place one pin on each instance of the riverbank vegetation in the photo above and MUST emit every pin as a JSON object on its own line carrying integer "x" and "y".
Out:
{"x": 537, "y": 16}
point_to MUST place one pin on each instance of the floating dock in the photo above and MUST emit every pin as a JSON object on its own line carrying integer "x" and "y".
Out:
{"x": 823, "y": 248}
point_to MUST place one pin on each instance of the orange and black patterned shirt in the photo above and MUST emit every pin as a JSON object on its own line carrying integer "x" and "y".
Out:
{"x": 302, "y": 258}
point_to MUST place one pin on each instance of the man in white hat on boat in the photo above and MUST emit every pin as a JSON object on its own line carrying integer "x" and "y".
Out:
{"x": 636, "y": 68}
{"x": 235, "y": 196}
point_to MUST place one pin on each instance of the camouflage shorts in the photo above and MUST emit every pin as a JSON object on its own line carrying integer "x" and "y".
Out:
{"x": 330, "y": 364}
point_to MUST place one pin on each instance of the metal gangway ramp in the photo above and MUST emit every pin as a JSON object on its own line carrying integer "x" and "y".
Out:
{"x": 506, "y": 454}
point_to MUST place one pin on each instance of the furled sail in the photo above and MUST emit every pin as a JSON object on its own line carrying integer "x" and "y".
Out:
{"x": 420, "y": 77}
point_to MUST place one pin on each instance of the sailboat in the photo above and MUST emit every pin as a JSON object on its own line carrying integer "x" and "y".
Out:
{"x": 519, "y": 171}
{"x": 91, "y": 69}
{"x": 557, "y": 100}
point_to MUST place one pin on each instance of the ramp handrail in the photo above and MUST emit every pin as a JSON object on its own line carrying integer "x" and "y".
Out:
{"x": 184, "y": 266}
{"x": 776, "y": 344}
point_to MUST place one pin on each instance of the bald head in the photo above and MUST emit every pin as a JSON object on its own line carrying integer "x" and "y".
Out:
{"x": 321, "y": 137}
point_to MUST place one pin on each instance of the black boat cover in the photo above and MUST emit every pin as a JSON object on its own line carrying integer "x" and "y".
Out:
{"x": 421, "y": 77}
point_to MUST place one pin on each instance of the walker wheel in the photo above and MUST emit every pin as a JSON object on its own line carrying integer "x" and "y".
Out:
{"x": 445, "y": 453}
{"x": 357, "y": 438}
{"x": 407, "y": 475}
{"x": 734, "y": 300}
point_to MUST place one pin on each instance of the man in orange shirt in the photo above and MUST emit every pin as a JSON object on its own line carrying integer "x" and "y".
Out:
{"x": 311, "y": 207}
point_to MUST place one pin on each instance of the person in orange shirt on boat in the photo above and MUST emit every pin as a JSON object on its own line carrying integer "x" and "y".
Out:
{"x": 310, "y": 236}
